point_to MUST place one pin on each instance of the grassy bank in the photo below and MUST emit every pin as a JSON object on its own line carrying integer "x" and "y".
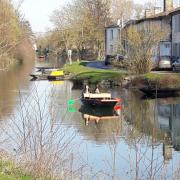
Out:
{"x": 160, "y": 80}
{"x": 80, "y": 72}
{"x": 8, "y": 171}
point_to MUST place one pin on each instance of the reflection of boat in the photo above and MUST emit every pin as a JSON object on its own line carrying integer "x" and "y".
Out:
{"x": 88, "y": 118}
{"x": 99, "y": 113}
{"x": 99, "y": 99}
{"x": 57, "y": 82}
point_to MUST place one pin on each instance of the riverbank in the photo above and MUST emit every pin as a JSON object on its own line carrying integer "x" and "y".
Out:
{"x": 9, "y": 170}
{"x": 79, "y": 72}
{"x": 157, "y": 80}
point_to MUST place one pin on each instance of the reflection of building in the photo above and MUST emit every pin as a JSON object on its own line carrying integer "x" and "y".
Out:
{"x": 168, "y": 117}
{"x": 175, "y": 126}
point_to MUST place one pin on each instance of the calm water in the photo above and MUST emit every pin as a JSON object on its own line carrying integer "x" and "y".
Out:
{"x": 142, "y": 142}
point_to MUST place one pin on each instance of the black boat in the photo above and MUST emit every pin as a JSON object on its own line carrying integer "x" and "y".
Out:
{"x": 99, "y": 99}
{"x": 162, "y": 91}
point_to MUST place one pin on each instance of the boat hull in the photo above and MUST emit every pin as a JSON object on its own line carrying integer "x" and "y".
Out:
{"x": 98, "y": 102}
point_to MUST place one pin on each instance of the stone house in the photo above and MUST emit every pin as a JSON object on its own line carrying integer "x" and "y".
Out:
{"x": 168, "y": 20}
{"x": 150, "y": 21}
{"x": 112, "y": 39}
{"x": 176, "y": 32}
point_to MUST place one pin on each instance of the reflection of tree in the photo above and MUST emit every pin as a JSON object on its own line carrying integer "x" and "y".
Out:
{"x": 141, "y": 114}
{"x": 42, "y": 147}
{"x": 11, "y": 83}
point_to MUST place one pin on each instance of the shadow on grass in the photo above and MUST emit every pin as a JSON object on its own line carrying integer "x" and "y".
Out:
{"x": 84, "y": 63}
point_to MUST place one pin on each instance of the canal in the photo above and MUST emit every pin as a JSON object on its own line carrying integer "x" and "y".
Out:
{"x": 40, "y": 128}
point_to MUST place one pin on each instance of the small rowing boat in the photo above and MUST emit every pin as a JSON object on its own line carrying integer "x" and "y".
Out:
{"x": 99, "y": 99}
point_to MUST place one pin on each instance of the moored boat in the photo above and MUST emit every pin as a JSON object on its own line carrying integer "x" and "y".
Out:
{"x": 162, "y": 91}
{"x": 99, "y": 99}
{"x": 54, "y": 75}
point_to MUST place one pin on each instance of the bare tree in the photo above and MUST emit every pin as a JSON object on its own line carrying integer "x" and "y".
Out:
{"x": 81, "y": 24}
{"x": 141, "y": 47}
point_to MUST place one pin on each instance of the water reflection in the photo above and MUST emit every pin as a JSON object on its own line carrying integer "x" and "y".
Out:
{"x": 168, "y": 118}
{"x": 96, "y": 114}
{"x": 157, "y": 118}
{"x": 144, "y": 134}
{"x": 11, "y": 83}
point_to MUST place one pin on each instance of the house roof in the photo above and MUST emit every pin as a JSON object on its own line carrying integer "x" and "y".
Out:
{"x": 156, "y": 16}
{"x": 112, "y": 26}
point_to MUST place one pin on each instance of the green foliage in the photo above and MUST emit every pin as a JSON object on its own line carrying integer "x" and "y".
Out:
{"x": 80, "y": 25}
{"x": 94, "y": 75}
{"x": 13, "y": 30}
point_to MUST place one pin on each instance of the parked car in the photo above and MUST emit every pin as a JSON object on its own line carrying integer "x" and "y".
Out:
{"x": 174, "y": 58}
{"x": 119, "y": 57}
{"x": 176, "y": 65}
{"x": 164, "y": 62}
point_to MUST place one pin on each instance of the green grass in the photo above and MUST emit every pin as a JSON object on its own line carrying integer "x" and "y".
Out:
{"x": 81, "y": 72}
{"x": 8, "y": 171}
{"x": 152, "y": 76}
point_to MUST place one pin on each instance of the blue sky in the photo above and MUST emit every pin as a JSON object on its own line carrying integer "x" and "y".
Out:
{"x": 38, "y": 12}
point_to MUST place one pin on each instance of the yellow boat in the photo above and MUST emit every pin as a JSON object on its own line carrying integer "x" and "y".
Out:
{"x": 57, "y": 73}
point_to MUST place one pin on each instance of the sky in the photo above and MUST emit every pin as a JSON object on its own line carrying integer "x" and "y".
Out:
{"x": 39, "y": 11}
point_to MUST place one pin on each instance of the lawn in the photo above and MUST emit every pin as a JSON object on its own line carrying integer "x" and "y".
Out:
{"x": 94, "y": 75}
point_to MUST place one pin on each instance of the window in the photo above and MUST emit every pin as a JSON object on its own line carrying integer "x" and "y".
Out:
{"x": 112, "y": 34}
{"x": 111, "y": 49}
{"x": 176, "y": 23}
{"x": 175, "y": 49}
{"x": 167, "y": 45}
{"x": 119, "y": 34}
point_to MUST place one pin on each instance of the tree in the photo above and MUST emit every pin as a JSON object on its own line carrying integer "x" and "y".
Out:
{"x": 13, "y": 31}
{"x": 121, "y": 9}
{"x": 81, "y": 24}
{"x": 125, "y": 10}
{"x": 141, "y": 44}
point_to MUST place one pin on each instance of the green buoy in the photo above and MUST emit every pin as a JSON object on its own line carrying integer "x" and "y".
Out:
{"x": 71, "y": 102}
{"x": 71, "y": 110}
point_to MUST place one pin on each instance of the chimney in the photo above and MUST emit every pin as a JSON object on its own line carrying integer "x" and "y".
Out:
{"x": 168, "y": 5}
{"x": 148, "y": 13}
